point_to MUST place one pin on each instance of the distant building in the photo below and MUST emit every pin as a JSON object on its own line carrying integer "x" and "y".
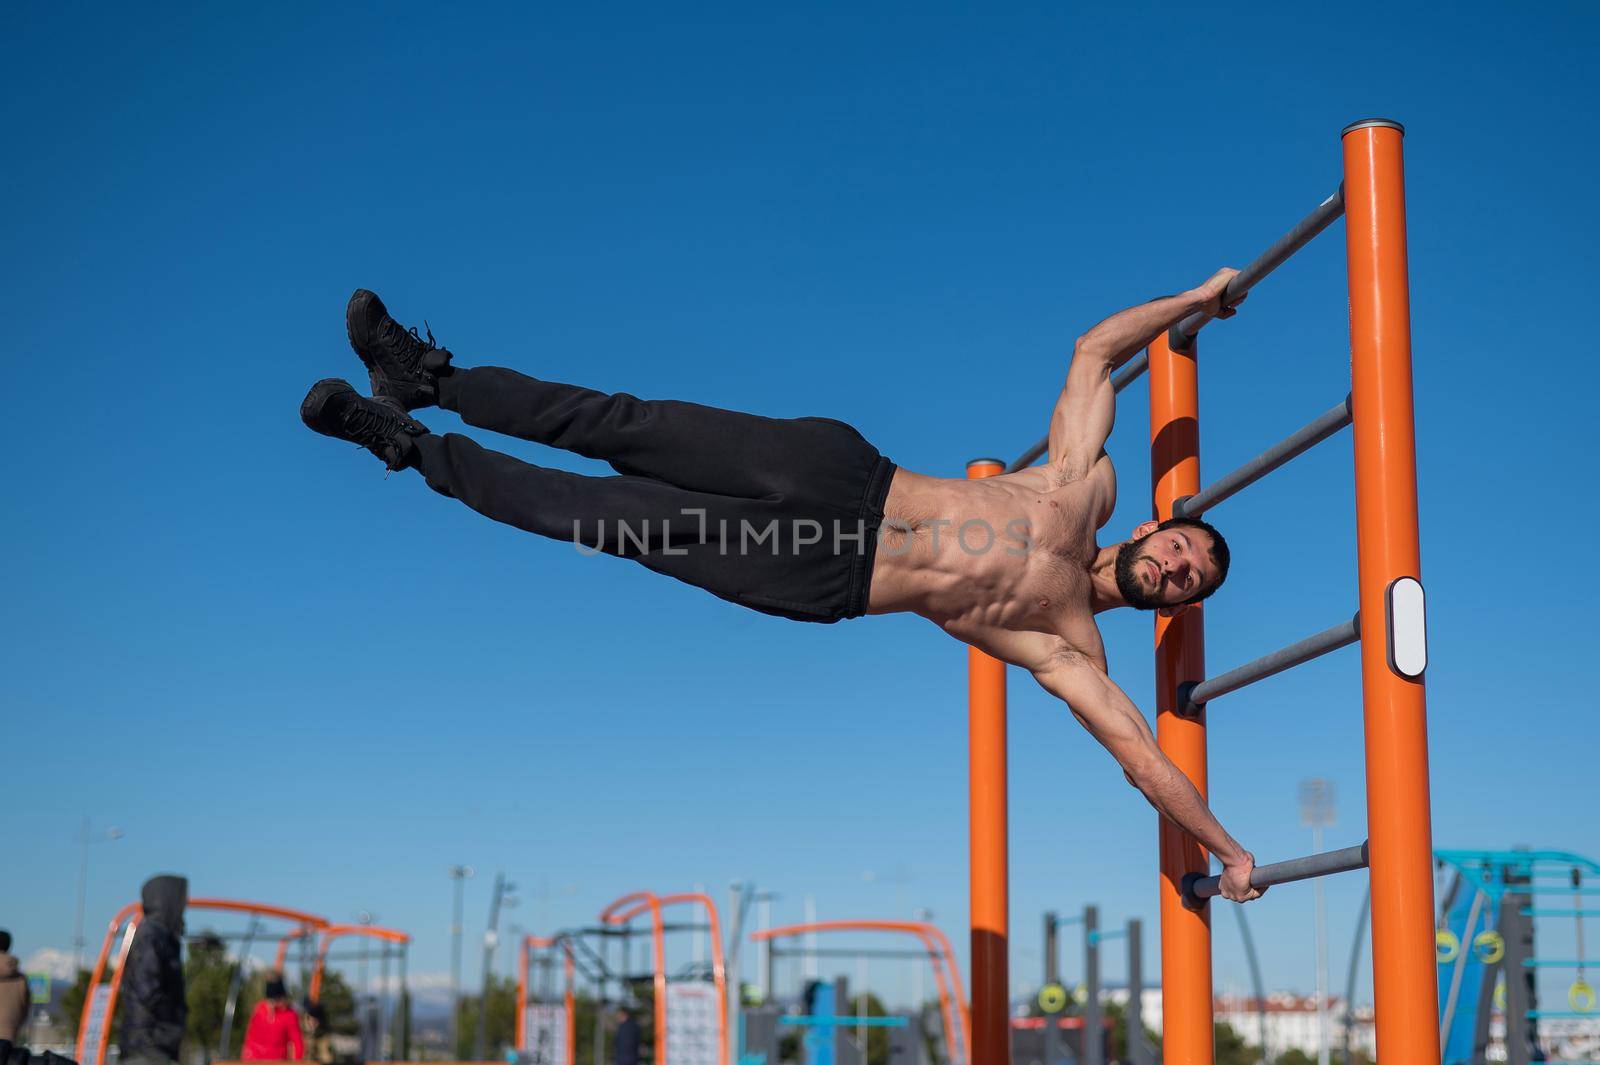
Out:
{"x": 1291, "y": 1024}
{"x": 1149, "y": 1004}
{"x": 1291, "y": 1020}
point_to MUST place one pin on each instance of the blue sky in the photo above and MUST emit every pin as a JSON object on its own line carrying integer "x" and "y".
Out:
{"x": 297, "y": 680}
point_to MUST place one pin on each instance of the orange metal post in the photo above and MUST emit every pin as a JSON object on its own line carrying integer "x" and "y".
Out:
{"x": 337, "y": 931}
{"x": 523, "y": 961}
{"x": 986, "y": 732}
{"x": 282, "y": 953}
{"x": 132, "y": 912}
{"x": 1398, "y": 817}
{"x": 1180, "y": 656}
{"x": 963, "y": 1013}
{"x": 719, "y": 970}
{"x": 570, "y": 1001}
{"x": 650, "y": 900}
{"x": 569, "y": 998}
{"x": 260, "y": 909}
{"x": 110, "y": 1032}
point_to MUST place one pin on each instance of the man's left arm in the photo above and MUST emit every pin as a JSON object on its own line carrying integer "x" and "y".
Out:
{"x": 1112, "y": 719}
{"x": 1081, "y": 422}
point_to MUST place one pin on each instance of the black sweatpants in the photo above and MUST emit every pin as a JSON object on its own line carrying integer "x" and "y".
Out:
{"x": 777, "y": 514}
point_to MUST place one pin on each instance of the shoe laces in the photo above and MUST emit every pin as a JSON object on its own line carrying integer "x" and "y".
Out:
{"x": 372, "y": 424}
{"x": 410, "y": 340}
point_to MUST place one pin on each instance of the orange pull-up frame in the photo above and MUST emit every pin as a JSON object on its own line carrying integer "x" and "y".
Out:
{"x": 1391, "y": 631}
{"x": 1393, "y": 653}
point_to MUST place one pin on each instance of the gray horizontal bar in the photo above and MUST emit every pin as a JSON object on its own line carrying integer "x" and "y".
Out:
{"x": 1028, "y": 457}
{"x": 622, "y": 931}
{"x": 1341, "y": 635}
{"x": 1182, "y": 335}
{"x": 374, "y": 956}
{"x": 1129, "y": 372}
{"x": 1279, "y": 454}
{"x": 846, "y": 952}
{"x": 1197, "y": 887}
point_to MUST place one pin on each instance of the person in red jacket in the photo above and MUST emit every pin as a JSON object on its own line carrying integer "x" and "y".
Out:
{"x": 274, "y": 1032}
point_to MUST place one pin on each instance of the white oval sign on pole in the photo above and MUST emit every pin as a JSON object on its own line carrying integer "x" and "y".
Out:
{"x": 1408, "y": 628}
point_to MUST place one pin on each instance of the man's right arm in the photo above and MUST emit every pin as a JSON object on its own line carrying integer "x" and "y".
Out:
{"x": 1112, "y": 718}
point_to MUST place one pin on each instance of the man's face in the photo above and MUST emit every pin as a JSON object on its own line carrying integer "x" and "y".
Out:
{"x": 1166, "y": 568}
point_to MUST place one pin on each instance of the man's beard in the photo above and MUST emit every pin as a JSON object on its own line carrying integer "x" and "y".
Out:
{"x": 1128, "y": 583}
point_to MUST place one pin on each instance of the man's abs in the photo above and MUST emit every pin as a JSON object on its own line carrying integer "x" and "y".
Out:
{"x": 1007, "y": 551}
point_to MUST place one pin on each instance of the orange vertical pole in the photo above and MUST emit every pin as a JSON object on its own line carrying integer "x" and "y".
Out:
{"x": 131, "y": 912}
{"x": 986, "y": 783}
{"x": 315, "y": 993}
{"x": 1398, "y": 816}
{"x": 522, "y": 995}
{"x": 116, "y": 989}
{"x": 659, "y": 968}
{"x": 963, "y": 1013}
{"x": 1180, "y": 656}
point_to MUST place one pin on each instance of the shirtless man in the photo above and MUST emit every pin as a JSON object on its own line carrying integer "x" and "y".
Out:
{"x": 802, "y": 518}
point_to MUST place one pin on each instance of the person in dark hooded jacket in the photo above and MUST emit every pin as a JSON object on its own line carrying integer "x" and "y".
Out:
{"x": 14, "y": 999}
{"x": 154, "y": 1009}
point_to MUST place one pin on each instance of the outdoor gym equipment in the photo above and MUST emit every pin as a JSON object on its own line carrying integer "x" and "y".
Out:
{"x": 1053, "y": 996}
{"x": 691, "y": 1013}
{"x": 380, "y": 1012}
{"x": 935, "y": 947}
{"x": 1484, "y": 945}
{"x": 1390, "y": 627}
{"x": 100, "y": 1004}
{"x": 690, "y": 1005}
{"x": 1580, "y": 995}
{"x": 826, "y": 1040}
{"x": 547, "y": 1033}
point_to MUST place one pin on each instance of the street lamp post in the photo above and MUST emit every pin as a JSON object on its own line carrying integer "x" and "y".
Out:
{"x": 458, "y": 873}
{"x": 1316, "y": 813}
{"x": 898, "y": 879}
{"x": 367, "y": 1003}
{"x": 744, "y": 897}
{"x": 364, "y": 918}
{"x": 925, "y": 915}
{"x": 491, "y": 936}
{"x": 85, "y": 838}
{"x": 768, "y": 984}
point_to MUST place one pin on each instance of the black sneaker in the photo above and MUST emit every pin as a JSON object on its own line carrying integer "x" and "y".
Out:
{"x": 334, "y": 408}
{"x": 402, "y": 365}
